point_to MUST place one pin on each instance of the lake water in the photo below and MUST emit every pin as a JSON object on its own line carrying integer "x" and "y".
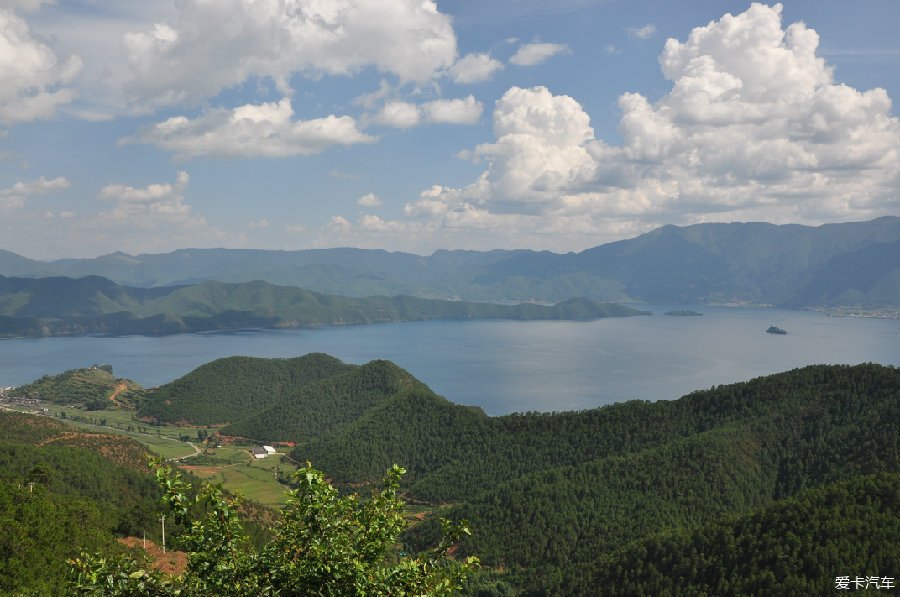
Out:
{"x": 508, "y": 366}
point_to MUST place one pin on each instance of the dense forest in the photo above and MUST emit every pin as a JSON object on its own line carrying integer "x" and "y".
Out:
{"x": 234, "y": 388}
{"x": 63, "y": 491}
{"x": 735, "y": 490}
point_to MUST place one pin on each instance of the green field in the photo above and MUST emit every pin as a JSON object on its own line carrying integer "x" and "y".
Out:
{"x": 249, "y": 476}
{"x": 232, "y": 466}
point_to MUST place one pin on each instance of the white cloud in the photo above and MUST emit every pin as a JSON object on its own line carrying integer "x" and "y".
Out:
{"x": 370, "y": 100}
{"x": 401, "y": 115}
{"x": 369, "y": 200}
{"x": 473, "y": 68}
{"x": 265, "y": 130}
{"x": 644, "y": 32}
{"x": 465, "y": 110}
{"x": 148, "y": 218}
{"x": 339, "y": 225}
{"x": 214, "y": 45}
{"x": 753, "y": 128}
{"x": 150, "y": 206}
{"x": 372, "y": 223}
{"x": 404, "y": 115}
{"x": 151, "y": 194}
{"x": 261, "y": 224}
{"x": 32, "y": 77}
{"x": 535, "y": 53}
{"x": 15, "y": 196}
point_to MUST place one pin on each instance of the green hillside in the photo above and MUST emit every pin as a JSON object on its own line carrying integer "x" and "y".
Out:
{"x": 736, "y": 490}
{"x": 776, "y": 436}
{"x": 796, "y": 546}
{"x": 316, "y": 409}
{"x": 55, "y": 306}
{"x": 234, "y": 388}
{"x": 93, "y": 387}
{"x": 63, "y": 491}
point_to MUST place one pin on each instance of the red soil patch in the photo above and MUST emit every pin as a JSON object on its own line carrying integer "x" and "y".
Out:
{"x": 171, "y": 562}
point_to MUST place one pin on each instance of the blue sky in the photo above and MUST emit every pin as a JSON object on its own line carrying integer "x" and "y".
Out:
{"x": 416, "y": 125}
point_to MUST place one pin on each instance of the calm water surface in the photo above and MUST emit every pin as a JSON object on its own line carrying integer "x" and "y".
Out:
{"x": 507, "y": 366}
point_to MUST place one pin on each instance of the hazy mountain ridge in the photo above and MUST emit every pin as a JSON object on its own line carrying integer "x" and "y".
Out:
{"x": 789, "y": 265}
{"x": 60, "y": 305}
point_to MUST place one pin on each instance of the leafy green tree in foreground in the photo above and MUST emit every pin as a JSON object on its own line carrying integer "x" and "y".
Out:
{"x": 325, "y": 545}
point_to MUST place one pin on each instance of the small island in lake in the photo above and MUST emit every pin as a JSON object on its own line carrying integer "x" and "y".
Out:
{"x": 683, "y": 313}
{"x": 775, "y": 330}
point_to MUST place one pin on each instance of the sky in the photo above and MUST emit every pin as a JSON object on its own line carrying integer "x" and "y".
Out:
{"x": 417, "y": 125}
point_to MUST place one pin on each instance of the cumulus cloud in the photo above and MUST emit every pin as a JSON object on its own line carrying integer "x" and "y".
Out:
{"x": 339, "y": 225}
{"x": 259, "y": 224}
{"x": 644, "y": 32}
{"x": 465, "y": 110}
{"x": 15, "y": 196}
{"x": 32, "y": 76}
{"x": 154, "y": 193}
{"x": 401, "y": 114}
{"x": 473, "y": 68}
{"x": 369, "y": 200}
{"x": 149, "y": 207}
{"x": 135, "y": 219}
{"x": 252, "y": 130}
{"x": 214, "y": 45}
{"x": 754, "y": 127}
{"x": 398, "y": 114}
{"x": 535, "y": 53}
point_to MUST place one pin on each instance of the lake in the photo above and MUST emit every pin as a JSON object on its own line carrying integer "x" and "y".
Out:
{"x": 509, "y": 366}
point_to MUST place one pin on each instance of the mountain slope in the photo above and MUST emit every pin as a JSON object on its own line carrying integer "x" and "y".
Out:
{"x": 738, "y": 262}
{"x": 59, "y": 305}
{"x": 315, "y": 410}
{"x": 234, "y": 388}
{"x": 797, "y": 546}
{"x": 788, "y": 265}
{"x": 776, "y": 436}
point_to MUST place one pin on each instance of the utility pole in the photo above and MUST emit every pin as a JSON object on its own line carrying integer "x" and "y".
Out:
{"x": 164, "y": 532}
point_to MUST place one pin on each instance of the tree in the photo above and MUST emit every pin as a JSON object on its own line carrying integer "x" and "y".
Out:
{"x": 324, "y": 545}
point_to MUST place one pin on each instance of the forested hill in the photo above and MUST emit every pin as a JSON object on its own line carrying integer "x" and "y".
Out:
{"x": 546, "y": 491}
{"x": 741, "y": 489}
{"x": 233, "y": 388}
{"x": 63, "y": 491}
{"x": 60, "y": 305}
{"x": 855, "y": 263}
{"x": 796, "y": 546}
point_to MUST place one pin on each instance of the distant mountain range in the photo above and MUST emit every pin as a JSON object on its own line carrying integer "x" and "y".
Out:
{"x": 62, "y": 306}
{"x": 853, "y": 264}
